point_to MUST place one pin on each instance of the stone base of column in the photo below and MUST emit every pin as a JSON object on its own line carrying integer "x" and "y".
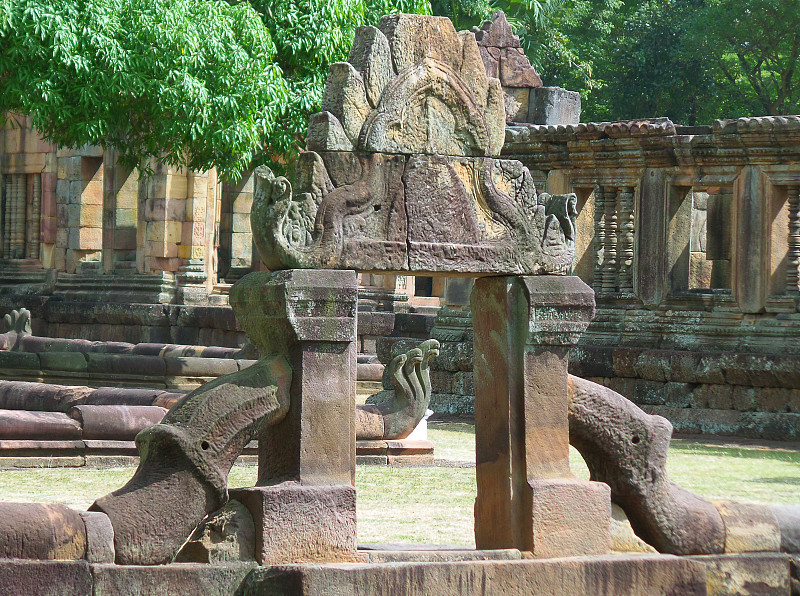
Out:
{"x": 570, "y": 516}
{"x": 296, "y": 523}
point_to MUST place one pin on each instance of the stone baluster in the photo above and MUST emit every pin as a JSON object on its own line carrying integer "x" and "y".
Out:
{"x": 793, "y": 256}
{"x": 34, "y": 210}
{"x": 611, "y": 238}
{"x": 625, "y": 197}
{"x": 599, "y": 237}
{"x": 17, "y": 212}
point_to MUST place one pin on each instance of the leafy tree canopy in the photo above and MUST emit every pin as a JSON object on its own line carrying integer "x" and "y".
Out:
{"x": 203, "y": 83}
{"x": 191, "y": 82}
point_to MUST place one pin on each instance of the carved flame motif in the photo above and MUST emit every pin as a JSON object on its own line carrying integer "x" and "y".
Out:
{"x": 404, "y": 170}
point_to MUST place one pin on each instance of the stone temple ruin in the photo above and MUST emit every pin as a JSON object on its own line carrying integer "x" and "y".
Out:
{"x": 403, "y": 174}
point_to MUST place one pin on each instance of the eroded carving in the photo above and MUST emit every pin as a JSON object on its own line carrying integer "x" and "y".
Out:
{"x": 410, "y": 139}
{"x": 394, "y": 413}
{"x": 627, "y": 449}
{"x": 185, "y": 460}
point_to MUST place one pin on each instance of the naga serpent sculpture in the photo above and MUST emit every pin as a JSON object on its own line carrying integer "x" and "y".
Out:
{"x": 185, "y": 460}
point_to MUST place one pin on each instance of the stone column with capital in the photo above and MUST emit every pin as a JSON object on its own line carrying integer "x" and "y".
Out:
{"x": 304, "y": 503}
{"x": 524, "y": 327}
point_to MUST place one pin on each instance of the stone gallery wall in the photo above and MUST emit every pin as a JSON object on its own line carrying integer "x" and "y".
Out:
{"x": 690, "y": 237}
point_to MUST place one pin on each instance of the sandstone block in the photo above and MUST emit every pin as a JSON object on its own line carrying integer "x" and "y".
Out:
{"x": 296, "y": 523}
{"x": 39, "y": 531}
{"x": 371, "y": 56}
{"x": 641, "y": 575}
{"x": 749, "y": 528}
{"x": 497, "y": 32}
{"x": 413, "y": 38}
{"x": 45, "y": 578}
{"x": 516, "y": 69}
{"x": 346, "y": 98}
{"x": 226, "y": 535}
{"x": 99, "y": 537}
{"x": 554, "y": 105}
{"x": 183, "y": 578}
{"x": 325, "y": 133}
{"x": 570, "y": 517}
{"x": 750, "y": 574}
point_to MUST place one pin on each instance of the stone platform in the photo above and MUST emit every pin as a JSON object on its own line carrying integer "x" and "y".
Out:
{"x": 79, "y": 453}
{"x": 444, "y": 572}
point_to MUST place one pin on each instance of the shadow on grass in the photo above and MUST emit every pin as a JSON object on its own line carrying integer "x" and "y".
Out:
{"x": 780, "y": 480}
{"x": 456, "y": 427}
{"x": 690, "y": 448}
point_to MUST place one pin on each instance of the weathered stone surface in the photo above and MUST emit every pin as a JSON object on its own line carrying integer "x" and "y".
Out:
{"x": 523, "y": 329}
{"x": 99, "y": 537}
{"x": 371, "y": 56}
{"x": 296, "y": 523}
{"x": 185, "y": 460}
{"x": 360, "y": 225}
{"x": 224, "y": 536}
{"x": 396, "y": 413}
{"x": 429, "y": 109}
{"x": 516, "y": 70}
{"x": 116, "y": 423}
{"x": 623, "y": 538}
{"x": 749, "y": 528}
{"x": 627, "y": 449}
{"x": 39, "y": 531}
{"x": 497, "y": 32}
{"x": 554, "y": 105}
{"x": 570, "y": 517}
{"x": 167, "y": 580}
{"x": 45, "y": 578}
{"x": 788, "y": 518}
{"x": 346, "y": 98}
{"x": 642, "y": 575}
{"x": 413, "y": 38}
{"x": 310, "y": 316}
{"x": 325, "y": 133}
{"x": 750, "y": 574}
{"x": 483, "y": 216}
{"x": 21, "y": 424}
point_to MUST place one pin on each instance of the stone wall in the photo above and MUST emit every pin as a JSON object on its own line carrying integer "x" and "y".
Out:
{"x": 690, "y": 237}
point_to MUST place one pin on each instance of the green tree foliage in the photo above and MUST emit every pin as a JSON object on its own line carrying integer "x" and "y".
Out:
{"x": 195, "y": 83}
{"x": 753, "y": 48}
{"x": 191, "y": 82}
{"x": 309, "y": 36}
{"x": 690, "y": 60}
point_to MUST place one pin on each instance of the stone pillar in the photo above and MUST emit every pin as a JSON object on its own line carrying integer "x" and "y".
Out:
{"x": 383, "y": 293}
{"x": 33, "y": 214}
{"x": 599, "y": 237}
{"x": 192, "y": 274}
{"x": 750, "y": 256}
{"x": 610, "y": 238}
{"x": 793, "y": 256}
{"x": 304, "y": 504}
{"x": 527, "y": 498}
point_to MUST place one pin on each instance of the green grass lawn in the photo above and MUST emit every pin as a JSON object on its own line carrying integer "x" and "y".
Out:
{"x": 434, "y": 504}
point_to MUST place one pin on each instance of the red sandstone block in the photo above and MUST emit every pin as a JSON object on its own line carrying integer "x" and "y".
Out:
{"x": 48, "y": 203}
{"x": 48, "y": 230}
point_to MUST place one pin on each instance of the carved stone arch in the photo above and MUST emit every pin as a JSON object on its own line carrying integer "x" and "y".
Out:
{"x": 401, "y": 123}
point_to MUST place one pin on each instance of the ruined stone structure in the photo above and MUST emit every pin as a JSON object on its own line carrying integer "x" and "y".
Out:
{"x": 689, "y": 237}
{"x": 298, "y": 397}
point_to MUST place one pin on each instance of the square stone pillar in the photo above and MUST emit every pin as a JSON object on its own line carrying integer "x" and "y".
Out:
{"x": 304, "y": 504}
{"x": 527, "y": 498}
